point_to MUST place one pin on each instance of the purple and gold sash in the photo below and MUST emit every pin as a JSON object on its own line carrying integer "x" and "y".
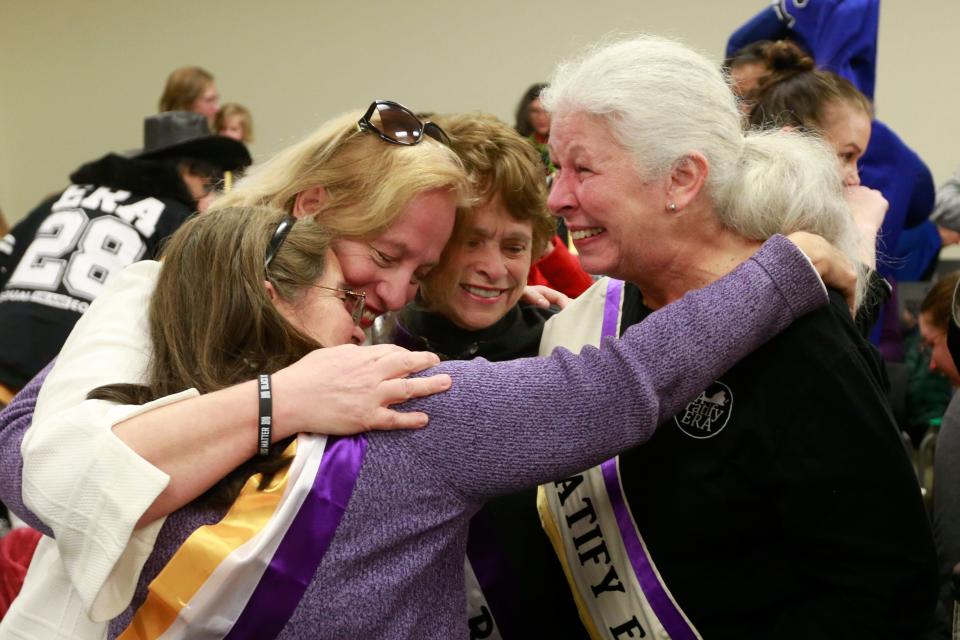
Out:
{"x": 615, "y": 583}
{"x": 242, "y": 577}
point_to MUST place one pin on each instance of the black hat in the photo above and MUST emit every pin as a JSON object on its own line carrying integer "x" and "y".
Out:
{"x": 185, "y": 134}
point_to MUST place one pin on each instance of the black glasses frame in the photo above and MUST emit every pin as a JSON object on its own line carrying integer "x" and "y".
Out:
{"x": 416, "y": 129}
{"x": 283, "y": 230}
{"x": 358, "y": 299}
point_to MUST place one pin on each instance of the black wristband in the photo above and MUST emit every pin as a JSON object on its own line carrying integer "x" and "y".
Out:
{"x": 266, "y": 415}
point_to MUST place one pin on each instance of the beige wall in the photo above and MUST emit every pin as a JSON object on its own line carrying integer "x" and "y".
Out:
{"x": 76, "y": 78}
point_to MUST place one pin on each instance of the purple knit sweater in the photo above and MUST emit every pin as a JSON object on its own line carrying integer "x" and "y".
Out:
{"x": 395, "y": 566}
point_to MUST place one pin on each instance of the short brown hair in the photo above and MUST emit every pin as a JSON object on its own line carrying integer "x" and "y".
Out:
{"x": 184, "y": 86}
{"x": 369, "y": 183}
{"x": 502, "y": 164}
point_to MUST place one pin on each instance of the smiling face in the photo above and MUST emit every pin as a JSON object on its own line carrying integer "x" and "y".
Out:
{"x": 613, "y": 216}
{"x": 847, "y": 128}
{"x": 389, "y": 267}
{"x": 484, "y": 268}
{"x": 320, "y": 311}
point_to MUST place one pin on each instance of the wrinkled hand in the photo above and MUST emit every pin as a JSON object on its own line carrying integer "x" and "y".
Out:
{"x": 543, "y": 296}
{"x": 868, "y": 207}
{"x": 349, "y": 389}
{"x": 835, "y": 270}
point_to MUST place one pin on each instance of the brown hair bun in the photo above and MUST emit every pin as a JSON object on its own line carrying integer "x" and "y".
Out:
{"x": 784, "y": 56}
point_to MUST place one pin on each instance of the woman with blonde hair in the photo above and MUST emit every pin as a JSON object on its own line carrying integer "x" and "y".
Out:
{"x": 396, "y": 539}
{"x": 344, "y": 537}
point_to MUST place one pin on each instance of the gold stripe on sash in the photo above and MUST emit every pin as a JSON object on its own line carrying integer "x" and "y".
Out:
{"x": 550, "y": 528}
{"x": 6, "y": 395}
{"x": 202, "y": 552}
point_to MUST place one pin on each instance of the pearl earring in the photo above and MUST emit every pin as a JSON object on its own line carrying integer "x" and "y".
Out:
{"x": 672, "y": 207}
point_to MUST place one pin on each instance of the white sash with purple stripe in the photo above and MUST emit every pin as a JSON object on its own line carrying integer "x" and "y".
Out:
{"x": 243, "y": 577}
{"x": 617, "y": 587}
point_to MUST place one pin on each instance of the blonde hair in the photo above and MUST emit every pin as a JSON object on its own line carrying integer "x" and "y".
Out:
{"x": 234, "y": 110}
{"x": 184, "y": 86}
{"x": 369, "y": 182}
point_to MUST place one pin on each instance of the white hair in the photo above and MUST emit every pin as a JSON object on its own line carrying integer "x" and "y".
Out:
{"x": 663, "y": 101}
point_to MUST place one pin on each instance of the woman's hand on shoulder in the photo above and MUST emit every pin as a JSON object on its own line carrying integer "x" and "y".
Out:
{"x": 349, "y": 389}
{"x": 836, "y": 271}
{"x": 543, "y": 296}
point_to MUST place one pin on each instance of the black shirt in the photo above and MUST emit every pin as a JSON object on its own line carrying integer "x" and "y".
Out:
{"x": 780, "y": 503}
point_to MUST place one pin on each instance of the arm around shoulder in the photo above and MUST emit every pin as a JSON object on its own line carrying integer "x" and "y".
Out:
{"x": 515, "y": 424}
{"x": 78, "y": 477}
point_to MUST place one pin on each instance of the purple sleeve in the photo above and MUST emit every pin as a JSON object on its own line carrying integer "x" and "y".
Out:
{"x": 508, "y": 425}
{"x": 14, "y": 422}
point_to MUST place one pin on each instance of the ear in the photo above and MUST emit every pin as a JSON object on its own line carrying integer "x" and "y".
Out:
{"x": 271, "y": 291}
{"x": 687, "y": 177}
{"x": 309, "y": 201}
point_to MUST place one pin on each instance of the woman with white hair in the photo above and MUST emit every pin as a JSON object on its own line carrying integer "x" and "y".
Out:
{"x": 371, "y": 549}
{"x": 778, "y": 503}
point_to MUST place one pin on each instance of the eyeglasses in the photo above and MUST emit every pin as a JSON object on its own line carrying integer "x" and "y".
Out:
{"x": 283, "y": 230}
{"x": 398, "y": 125}
{"x": 354, "y": 301}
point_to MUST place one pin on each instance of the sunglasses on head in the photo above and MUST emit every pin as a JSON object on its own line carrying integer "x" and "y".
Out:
{"x": 396, "y": 124}
{"x": 354, "y": 301}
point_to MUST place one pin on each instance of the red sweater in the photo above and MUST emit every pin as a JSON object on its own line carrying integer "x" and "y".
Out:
{"x": 561, "y": 271}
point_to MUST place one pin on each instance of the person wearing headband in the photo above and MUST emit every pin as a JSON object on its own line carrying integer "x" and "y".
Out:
{"x": 400, "y": 543}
